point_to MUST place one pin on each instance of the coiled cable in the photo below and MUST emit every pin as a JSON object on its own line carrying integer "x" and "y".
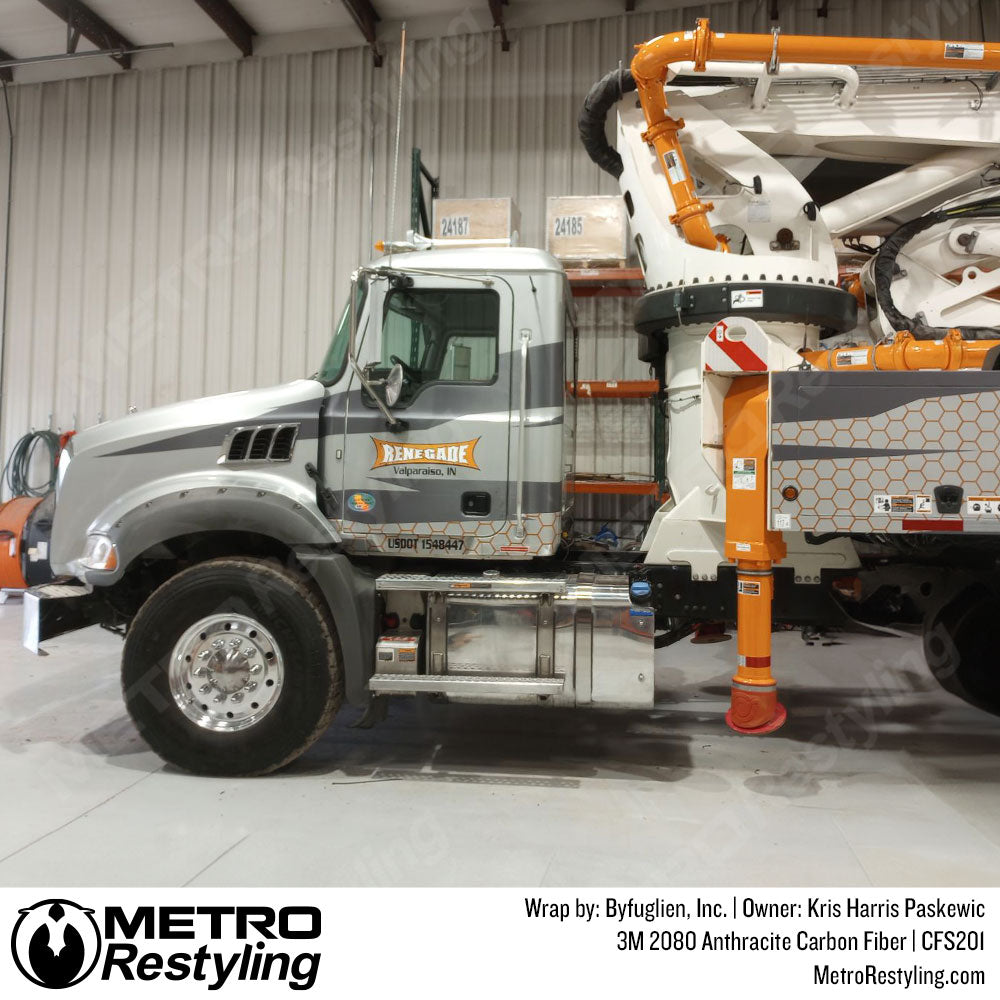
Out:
{"x": 18, "y": 467}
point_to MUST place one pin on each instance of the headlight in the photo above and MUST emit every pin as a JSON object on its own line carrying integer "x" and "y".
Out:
{"x": 100, "y": 553}
{"x": 64, "y": 459}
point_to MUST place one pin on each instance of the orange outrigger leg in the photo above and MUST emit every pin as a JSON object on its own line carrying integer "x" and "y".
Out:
{"x": 754, "y": 705}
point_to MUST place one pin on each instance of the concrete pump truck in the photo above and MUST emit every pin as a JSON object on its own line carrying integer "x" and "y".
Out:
{"x": 399, "y": 523}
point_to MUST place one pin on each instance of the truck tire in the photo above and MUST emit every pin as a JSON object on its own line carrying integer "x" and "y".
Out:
{"x": 232, "y": 667}
{"x": 959, "y": 646}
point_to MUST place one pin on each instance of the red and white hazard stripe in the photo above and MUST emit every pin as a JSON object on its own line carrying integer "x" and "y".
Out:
{"x": 736, "y": 344}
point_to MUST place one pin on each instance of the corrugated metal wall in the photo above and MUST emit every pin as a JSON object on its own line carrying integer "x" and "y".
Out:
{"x": 188, "y": 231}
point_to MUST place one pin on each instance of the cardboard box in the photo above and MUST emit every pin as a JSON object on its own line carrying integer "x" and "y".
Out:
{"x": 587, "y": 230}
{"x": 476, "y": 219}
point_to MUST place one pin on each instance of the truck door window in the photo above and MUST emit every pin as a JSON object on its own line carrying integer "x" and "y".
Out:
{"x": 441, "y": 335}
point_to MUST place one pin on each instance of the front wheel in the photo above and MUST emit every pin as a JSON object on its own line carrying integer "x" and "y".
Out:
{"x": 232, "y": 667}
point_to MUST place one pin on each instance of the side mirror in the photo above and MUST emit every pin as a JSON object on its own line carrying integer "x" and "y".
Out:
{"x": 393, "y": 385}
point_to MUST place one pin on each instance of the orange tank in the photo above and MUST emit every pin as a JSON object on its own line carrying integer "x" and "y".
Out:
{"x": 13, "y": 518}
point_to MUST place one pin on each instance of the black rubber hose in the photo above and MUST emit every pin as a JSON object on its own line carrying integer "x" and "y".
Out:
{"x": 15, "y": 473}
{"x": 607, "y": 92}
{"x": 884, "y": 270}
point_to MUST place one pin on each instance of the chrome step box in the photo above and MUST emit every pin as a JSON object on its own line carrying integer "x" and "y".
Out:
{"x": 579, "y": 635}
{"x": 458, "y": 684}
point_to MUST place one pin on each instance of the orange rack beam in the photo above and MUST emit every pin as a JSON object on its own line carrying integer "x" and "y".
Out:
{"x": 613, "y": 388}
{"x": 620, "y": 282}
{"x": 620, "y": 487}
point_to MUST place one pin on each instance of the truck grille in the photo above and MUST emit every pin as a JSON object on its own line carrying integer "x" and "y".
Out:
{"x": 269, "y": 443}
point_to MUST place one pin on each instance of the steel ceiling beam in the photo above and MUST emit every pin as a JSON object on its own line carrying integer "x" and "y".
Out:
{"x": 6, "y": 73}
{"x": 232, "y": 22}
{"x": 496, "y": 9}
{"x": 79, "y": 17}
{"x": 366, "y": 17}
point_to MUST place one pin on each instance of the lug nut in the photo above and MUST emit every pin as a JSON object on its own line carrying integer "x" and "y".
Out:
{"x": 204, "y": 654}
{"x": 236, "y": 643}
{"x": 218, "y": 643}
{"x": 256, "y": 668}
{"x": 205, "y": 688}
{"x": 237, "y": 697}
{"x": 251, "y": 686}
{"x": 219, "y": 698}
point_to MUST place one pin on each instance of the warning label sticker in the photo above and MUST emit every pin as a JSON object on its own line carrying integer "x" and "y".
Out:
{"x": 759, "y": 209}
{"x": 922, "y": 504}
{"x": 748, "y": 588}
{"x": 851, "y": 359}
{"x": 744, "y": 473}
{"x": 885, "y": 503}
{"x": 964, "y": 50}
{"x": 746, "y": 298}
{"x": 673, "y": 167}
{"x": 983, "y": 506}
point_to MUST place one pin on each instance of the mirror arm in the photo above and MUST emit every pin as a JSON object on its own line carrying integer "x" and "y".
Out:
{"x": 391, "y": 422}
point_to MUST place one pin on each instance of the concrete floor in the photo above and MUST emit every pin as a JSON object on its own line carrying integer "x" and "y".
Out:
{"x": 878, "y": 778}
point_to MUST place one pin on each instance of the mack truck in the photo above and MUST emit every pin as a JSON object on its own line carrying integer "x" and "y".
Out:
{"x": 816, "y": 221}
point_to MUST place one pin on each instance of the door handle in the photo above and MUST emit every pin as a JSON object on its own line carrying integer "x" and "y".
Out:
{"x": 478, "y": 504}
{"x": 519, "y": 529}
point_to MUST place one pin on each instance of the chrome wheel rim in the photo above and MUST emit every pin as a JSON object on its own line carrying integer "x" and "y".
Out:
{"x": 226, "y": 673}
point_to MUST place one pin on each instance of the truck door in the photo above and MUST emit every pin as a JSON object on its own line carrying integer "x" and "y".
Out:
{"x": 437, "y": 482}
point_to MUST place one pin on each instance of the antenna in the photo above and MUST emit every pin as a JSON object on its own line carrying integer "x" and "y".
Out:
{"x": 395, "y": 156}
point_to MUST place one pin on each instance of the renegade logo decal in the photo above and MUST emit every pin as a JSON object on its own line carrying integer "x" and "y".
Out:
{"x": 457, "y": 453}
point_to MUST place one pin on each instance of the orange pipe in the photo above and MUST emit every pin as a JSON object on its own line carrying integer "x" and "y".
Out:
{"x": 754, "y": 705}
{"x": 905, "y": 354}
{"x": 652, "y": 60}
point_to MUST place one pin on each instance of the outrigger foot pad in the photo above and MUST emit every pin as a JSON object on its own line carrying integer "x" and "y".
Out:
{"x": 777, "y": 721}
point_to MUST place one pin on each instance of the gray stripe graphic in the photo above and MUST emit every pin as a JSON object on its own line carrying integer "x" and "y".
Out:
{"x": 439, "y": 501}
{"x": 805, "y": 453}
{"x": 214, "y": 435}
{"x": 797, "y": 397}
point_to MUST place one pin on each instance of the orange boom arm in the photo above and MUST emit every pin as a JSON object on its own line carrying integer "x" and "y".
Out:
{"x": 652, "y": 60}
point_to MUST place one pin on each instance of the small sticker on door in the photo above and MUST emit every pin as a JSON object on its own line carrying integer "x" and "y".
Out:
{"x": 782, "y": 522}
{"x": 923, "y": 505}
{"x": 744, "y": 473}
{"x": 362, "y": 503}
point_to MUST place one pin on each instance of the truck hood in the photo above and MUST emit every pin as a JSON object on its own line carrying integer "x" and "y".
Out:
{"x": 126, "y": 472}
{"x": 201, "y": 423}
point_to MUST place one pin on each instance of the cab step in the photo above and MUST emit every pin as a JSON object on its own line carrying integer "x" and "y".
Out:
{"x": 465, "y": 684}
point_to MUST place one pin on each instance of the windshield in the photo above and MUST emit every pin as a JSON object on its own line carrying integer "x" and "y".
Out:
{"x": 336, "y": 356}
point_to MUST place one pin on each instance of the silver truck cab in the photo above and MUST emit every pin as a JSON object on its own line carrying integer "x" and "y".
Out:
{"x": 386, "y": 526}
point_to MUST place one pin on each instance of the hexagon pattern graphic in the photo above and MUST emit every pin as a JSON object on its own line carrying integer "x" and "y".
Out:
{"x": 956, "y": 435}
{"x": 482, "y": 538}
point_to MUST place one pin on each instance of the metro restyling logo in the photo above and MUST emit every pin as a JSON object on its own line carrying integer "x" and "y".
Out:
{"x": 457, "y": 453}
{"x": 57, "y": 943}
